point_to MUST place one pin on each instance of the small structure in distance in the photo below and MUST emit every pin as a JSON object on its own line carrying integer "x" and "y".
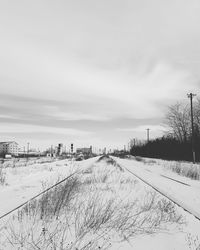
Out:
{"x": 84, "y": 152}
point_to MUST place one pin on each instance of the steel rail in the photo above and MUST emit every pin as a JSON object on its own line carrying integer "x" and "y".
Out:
{"x": 169, "y": 197}
{"x": 37, "y": 195}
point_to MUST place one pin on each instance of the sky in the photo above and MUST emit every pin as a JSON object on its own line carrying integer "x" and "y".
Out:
{"x": 94, "y": 72}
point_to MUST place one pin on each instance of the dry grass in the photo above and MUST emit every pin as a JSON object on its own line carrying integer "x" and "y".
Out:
{"x": 110, "y": 161}
{"x": 193, "y": 242}
{"x": 87, "y": 212}
{"x": 22, "y": 162}
{"x": 186, "y": 169}
{"x": 192, "y": 171}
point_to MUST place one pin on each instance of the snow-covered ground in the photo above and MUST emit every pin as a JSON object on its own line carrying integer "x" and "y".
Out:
{"x": 188, "y": 195}
{"x": 183, "y": 189}
{"x": 21, "y": 184}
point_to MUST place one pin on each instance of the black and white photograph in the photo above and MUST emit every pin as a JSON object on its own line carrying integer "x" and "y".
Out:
{"x": 99, "y": 125}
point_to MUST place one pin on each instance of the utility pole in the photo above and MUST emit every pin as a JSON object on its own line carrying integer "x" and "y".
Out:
{"x": 148, "y": 134}
{"x": 190, "y": 96}
{"x": 134, "y": 144}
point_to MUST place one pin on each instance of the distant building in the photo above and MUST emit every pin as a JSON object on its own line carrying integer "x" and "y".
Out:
{"x": 84, "y": 150}
{"x": 9, "y": 147}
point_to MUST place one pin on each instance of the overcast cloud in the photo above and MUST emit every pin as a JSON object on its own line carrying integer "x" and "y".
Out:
{"x": 94, "y": 72}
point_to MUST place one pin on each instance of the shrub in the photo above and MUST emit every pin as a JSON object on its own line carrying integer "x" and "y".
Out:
{"x": 188, "y": 170}
{"x": 81, "y": 215}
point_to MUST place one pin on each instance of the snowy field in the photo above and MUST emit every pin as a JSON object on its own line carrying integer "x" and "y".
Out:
{"x": 22, "y": 183}
{"x": 22, "y": 162}
{"x": 102, "y": 206}
{"x": 183, "y": 189}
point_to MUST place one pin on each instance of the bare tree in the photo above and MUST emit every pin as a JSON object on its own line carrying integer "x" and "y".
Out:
{"x": 178, "y": 120}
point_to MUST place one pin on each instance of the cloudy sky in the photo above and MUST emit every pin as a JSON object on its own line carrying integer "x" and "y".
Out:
{"x": 94, "y": 72}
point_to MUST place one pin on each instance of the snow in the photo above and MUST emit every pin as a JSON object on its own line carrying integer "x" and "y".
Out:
{"x": 188, "y": 196}
{"x": 22, "y": 183}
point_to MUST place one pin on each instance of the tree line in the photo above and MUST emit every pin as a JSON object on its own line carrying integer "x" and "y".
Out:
{"x": 176, "y": 143}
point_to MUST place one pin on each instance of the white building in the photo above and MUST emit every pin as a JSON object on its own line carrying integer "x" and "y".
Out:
{"x": 9, "y": 147}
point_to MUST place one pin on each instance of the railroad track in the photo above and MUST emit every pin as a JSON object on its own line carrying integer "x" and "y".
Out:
{"x": 181, "y": 182}
{"x": 176, "y": 201}
{"x": 36, "y": 196}
{"x": 172, "y": 179}
{"x": 168, "y": 196}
